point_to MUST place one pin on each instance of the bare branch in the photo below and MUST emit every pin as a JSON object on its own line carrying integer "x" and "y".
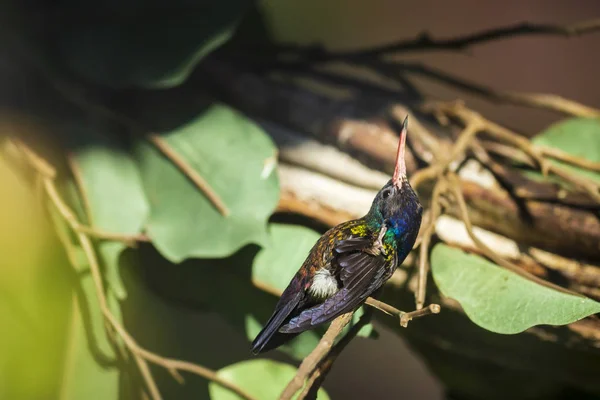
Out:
{"x": 311, "y": 361}
{"x": 141, "y": 355}
{"x": 195, "y": 177}
{"x": 455, "y": 187}
{"x": 424, "y": 42}
{"x": 316, "y": 379}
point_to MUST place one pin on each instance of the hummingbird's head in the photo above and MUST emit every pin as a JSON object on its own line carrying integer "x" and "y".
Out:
{"x": 396, "y": 204}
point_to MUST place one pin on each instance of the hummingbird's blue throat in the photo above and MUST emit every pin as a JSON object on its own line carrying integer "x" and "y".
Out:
{"x": 396, "y": 228}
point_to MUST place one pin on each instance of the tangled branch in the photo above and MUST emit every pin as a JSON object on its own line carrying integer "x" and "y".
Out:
{"x": 424, "y": 41}
{"x": 141, "y": 355}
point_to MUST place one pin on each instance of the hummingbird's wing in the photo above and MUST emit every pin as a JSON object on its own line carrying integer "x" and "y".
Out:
{"x": 361, "y": 273}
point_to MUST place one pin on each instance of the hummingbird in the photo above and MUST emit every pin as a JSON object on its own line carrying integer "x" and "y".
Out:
{"x": 350, "y": 262}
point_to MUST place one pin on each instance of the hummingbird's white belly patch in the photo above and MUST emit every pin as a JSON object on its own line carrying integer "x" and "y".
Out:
{"x": 324, "y": 285}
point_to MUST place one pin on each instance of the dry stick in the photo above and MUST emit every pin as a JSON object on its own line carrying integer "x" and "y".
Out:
{"x": 317, "y": 377}
{"x": 141, "y": 355}
{"x": 467, "y": 116}
{"x": 425, "y": 42}
{"x": 536, "y": 100}
{"x": 88, "y": 249}
{"x": 198, "y": 180}
{"x": 81, "y": 101}
{"x": 129, "y": 239}
{"x": 587, "y": 185}
{"x": 435, "y": 212}
{"x": 560, "y": 155}
{"x": 458, "y": 110}
{"x": 435, "y": 170}
{"x": 312, "y": 360}
{"x": 454, "y": 183}
{"x": 319, "y": 374}
{"x": 431, "y": 172}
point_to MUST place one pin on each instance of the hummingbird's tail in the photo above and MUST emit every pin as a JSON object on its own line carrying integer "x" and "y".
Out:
{"x": 270, "y": 337}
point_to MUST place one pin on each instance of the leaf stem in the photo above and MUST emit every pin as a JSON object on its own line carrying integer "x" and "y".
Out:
{"x": 195, "y": 177}
{"x": 141, "y": 355}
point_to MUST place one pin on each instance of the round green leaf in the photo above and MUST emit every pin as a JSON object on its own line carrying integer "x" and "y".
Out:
{"x": 282, "y": 256}
{"x": 263, "y": 379}
{"x": 577, "y": 136}
{"x": 113, "y": 188}
{"x": 499, "y": 300}
{"x": 237, "y": 160}
{"x": 147, "y": 44}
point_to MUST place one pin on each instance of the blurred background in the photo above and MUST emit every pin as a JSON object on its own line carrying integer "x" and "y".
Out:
{"x": 166, "y": 308}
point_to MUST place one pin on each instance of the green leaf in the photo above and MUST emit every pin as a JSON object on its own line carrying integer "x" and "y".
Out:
{"x": 91, "y": 369}
{"x": 263, "y": 379}
{"x": 113, "y": 190}
{"x": 276, "y": 264}
{"x": 288, "y": 247}
{"x": 237, "y": 160}
{"x": 499, "y": 300}
{"x": 577, "y": 136}
{"x": 147, "y": 44}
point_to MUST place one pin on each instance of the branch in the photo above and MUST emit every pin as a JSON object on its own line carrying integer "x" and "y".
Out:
{"x": 469, "y": 117}
{"x": 318, "y": 375}
{"x": 141, "y": 355}
{"x": 435, "y": 212}
{"x": 535, "y": 100}
{"x": 75, "y": 97}
{"x": 454, "y": 185}
{"x": 311, "y": 361}
{"x": 188, "y": 171}
{"x": 424, "y": 42}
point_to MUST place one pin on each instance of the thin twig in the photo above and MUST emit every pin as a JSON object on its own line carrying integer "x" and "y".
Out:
{"x": 436, "y": 169}
{"x": 435, "y": 212}
{"x": 316, "y": 379}
{"x": 141, "y": 355}
{"x": 129, "y": 239}
{"x": 73, "y": 96}
{"x": 455, "y": 187}
{"x": 429, "y": 310}
{"x": 560, "y": 155}
{"x": 424, "y": 42}
{"x": 311, "y": 361}
{"x": 195, "y": 177}
{"x": 468, "y": 116}
{"x": 535, "y": 100}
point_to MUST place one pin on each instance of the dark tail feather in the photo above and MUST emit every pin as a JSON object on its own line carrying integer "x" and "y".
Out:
{"x": 274, "y": 341}
{"x": 269, "y": 338}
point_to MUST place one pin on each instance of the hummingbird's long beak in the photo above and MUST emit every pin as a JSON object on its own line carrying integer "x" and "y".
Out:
{"x": 400, "y": 169}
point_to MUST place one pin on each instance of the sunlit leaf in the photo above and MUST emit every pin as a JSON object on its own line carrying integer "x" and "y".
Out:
{"x": 147, "y": 44}
{"x": 579, "y": 137}
{"x": 499, "y": 300}
{"x": 112, "y": 189}
{"x": 263, "y": 379}
{"x": 236, "y": 158}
